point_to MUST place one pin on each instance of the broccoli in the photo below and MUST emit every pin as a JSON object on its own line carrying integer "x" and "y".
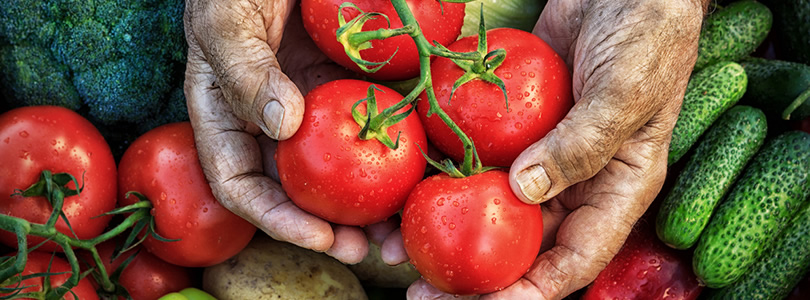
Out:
{"x": 120, "y": 63}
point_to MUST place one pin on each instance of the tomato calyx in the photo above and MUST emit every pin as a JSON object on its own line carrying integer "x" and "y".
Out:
{"x": 482, "y": 68}
{"x": 54, "y": 188}
{"x": 375, "y": 125}
{"x": 351, "y": 35}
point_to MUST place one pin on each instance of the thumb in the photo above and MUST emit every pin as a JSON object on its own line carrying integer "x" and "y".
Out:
{"x": 239, "y": 43}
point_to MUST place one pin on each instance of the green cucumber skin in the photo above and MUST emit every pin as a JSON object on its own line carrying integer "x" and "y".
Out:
{"x": 709, "y": 93}
{"x": 733, "y": 32}
{"x": 774, "y": 84}
{"x": 717, "y": 161}
{"x": 782, "y": 265}
{"x": 770, "y": 190}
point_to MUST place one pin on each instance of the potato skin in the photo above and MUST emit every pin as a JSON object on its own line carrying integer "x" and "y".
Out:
{"x": 269, "y": 269}
{"x": 372, "y": 271}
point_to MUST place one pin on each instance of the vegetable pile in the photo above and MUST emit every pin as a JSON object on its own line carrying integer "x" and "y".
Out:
{"x": 447, "y": 95}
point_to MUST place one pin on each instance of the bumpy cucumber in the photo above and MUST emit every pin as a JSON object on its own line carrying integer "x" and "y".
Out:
{"x": 780, "y": 88}
{"x": 767, "y": 194}
{"x": 782, "y": 266}
{"x": 717, "y": 161}
{"x": 733, "y": 32}
{"x": 709, "y": 93}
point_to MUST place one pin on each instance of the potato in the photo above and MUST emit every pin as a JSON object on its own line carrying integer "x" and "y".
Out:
{"x": 269, "y": 269}
{"x": 372, "y": 271}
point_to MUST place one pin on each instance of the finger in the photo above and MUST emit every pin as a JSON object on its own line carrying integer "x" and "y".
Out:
{"x": 603, "y": 211}
{"x": 392, "y": 250}
{"x": 231, "y": 161}
{"x": 622, "y": 76}
{"x": 421, "y": 290}
{"x": 350, "y": 246}
{"x": 239, "y": 42}
{"x": 377, "y": 232}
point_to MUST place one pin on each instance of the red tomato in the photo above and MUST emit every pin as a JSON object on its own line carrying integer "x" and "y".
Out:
{"x": 162, "y": 164}
{"x": 645, "y": 268}
{"x": 538, "y": 87}
{"x": 328, "y": 171}
{"x": 146, "y": 277}
{"x": 38, "y": 262}
{"x": 38, "y": 138}
{"x": 470, "y": 235}
{"x": 321, "y": 22}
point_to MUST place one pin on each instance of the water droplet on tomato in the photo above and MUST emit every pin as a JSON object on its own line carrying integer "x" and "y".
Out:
{"x": 423, "y": 229}
{"x": 163, "y": 196}
{"x": 425, "y": 248}
{"x": 518, "y": 126}
{"x": 456, "y": 204}
{"x": 7, "y": 140}
{"x": 464, "y": 210}
{"x": 494, "y": 219}
{"x": 440, "y": 202}
{"x": 205, "y": 209}
{"x": 451, "y": 226}
{"x": 507, "y": 75}
{"x": 531, "y": 75}
{"x": 24, "y": 134}
{"x": 188, "y": 224}
{"x": 497, "y": 201}
{"x": 444, "y": 220}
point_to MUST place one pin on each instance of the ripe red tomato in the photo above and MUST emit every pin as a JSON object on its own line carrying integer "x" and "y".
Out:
{"x": 146, "y": 277}
{"x": 645, "y": 268}
{"x": 321, "y": 22}
{"x": 330, "y": 172}
{"x": 39, "y": 261}
{"x": 37, "y": 138}
{"x": 470, "y": 235}
{"x": 538, "y": 87}
{"x": 162, "y": 164}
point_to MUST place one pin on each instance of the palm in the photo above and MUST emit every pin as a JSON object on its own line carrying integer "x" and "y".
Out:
{"x": 301, "y": 59}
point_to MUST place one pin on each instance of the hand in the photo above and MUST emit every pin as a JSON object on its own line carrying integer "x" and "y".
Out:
{"x": 244, "y": 83}
{"x": 601, "y": 167}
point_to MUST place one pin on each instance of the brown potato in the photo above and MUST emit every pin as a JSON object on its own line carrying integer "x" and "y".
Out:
{"x": 372, "y": 271}
{"x": 269, "y": 269}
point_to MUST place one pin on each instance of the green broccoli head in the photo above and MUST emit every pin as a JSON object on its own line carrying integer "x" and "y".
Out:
{"x": 32, "y": 75}
{"x": 120, "y": 59}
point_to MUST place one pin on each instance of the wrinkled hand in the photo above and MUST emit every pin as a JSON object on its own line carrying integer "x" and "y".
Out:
{"x": 242, "y": 80}
{"x": 600, "y": 168}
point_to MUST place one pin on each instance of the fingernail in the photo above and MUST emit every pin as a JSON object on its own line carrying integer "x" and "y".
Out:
{"x": 533, "y": 182}
{"x": 273, "y": 118}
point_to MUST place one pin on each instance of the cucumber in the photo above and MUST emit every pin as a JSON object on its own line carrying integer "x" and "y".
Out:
{"x": 760, "y": 204}
{"x": 780, "y": 88}
{"x": 782, "y": 266}
{"x": 717, "y": 161}
{"x": 733, "y": 32}
{"x": 709, "y": 93}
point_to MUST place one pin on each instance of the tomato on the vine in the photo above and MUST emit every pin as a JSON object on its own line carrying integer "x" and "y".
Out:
{"x": 44, "y": 262}
{"x": 327, "y": 170}
{"x": 162, "y": 164}
{"x": 538, "y": 88}
{"x": 439, "y": 21}
{"x": 146, "y": 277}
{"x": 37, "y": 138}
{"x": 470, "y": 235}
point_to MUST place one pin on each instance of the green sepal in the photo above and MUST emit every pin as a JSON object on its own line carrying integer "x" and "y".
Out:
{"x": 374, "y": 125}
{"x": 483, "y": 69}
{"x": 351, "y": 35}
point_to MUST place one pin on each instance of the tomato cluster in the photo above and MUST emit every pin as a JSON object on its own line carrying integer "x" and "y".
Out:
{"x": 467, "y": 233}
{"x": 162, "y": 165}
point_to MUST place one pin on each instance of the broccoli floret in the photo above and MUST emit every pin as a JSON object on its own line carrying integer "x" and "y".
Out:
{"x": 32, "y": 75}
{"x": 118, "y": 62}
